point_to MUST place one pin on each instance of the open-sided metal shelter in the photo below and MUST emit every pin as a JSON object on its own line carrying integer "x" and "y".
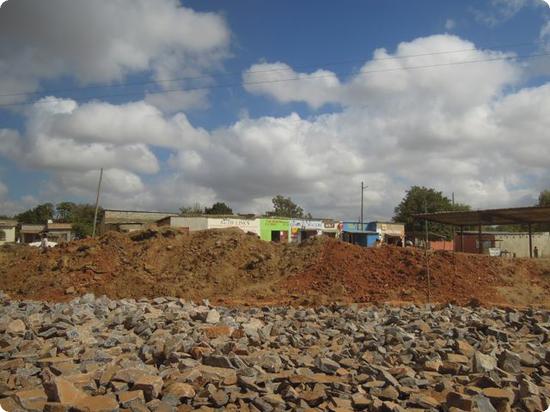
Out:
{"x": 488, "y": 217}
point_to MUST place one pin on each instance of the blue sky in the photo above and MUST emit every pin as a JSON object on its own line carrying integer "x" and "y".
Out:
{"x": 314, "y": 139}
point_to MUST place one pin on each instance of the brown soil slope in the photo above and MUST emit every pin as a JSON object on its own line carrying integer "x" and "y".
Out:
{"x": 234, "y": 268}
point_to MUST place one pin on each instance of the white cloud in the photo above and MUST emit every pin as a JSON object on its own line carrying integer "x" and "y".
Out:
{"x": 285, "y": 85}
{"x": 391, "y": 79}
{"x": 451, "y": 127}
{"x": 103, "y": 41}
{"x": 500, "y": 11}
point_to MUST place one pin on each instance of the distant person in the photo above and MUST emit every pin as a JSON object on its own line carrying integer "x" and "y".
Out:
{"x": 536, "y": 252}
{"x": 44, "y": 242}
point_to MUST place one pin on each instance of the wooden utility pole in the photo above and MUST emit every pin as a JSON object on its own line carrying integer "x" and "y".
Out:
{"x": 97, "y": 201}
{"x": 363, "y": 187}
{"x": 426, "y": 253}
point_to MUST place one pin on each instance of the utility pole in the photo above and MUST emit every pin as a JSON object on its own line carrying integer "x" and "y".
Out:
{"x": 363, "y": 187}
{"x": 426, "y": 251}
{"x": 97, "y": 201}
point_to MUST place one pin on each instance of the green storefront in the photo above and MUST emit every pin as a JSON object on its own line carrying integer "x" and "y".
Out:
{"x": 274, "y": 229}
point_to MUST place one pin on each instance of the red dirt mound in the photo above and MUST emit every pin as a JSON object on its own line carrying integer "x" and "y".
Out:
{"x": 231, "y": 267}
{"x": 399, "y": 274}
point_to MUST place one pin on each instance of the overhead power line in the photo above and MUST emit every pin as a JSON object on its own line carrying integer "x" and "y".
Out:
{"x": 239, "y": 73}
{"x": 310, "y": 77}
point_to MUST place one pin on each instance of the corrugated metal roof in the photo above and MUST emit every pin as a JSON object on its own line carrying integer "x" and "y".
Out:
{"x": 489, "y": 217}
{"x": 8, "y": 223}
{"x": 133, "y": 216}
{"x": 60, "y": 226}
{"x": 32, "y": 228}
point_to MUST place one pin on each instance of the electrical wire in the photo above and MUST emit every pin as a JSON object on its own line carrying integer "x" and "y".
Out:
{"x": 210, "y": 76}
{"x": 311, "y": 77}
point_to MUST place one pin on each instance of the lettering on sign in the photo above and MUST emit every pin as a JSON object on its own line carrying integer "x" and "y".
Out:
{"x": 236, "y": 222}
{"x": 305, "y": 224}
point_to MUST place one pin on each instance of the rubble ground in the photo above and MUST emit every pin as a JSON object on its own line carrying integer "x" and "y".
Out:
{"x": 232, "y": 268}
{"x": 168, "y": 354}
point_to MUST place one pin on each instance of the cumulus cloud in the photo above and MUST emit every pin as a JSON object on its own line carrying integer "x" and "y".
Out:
{"x": 422, "y": 67}
{"x": 103, "y": 41}
{"x": 285, "y": 85}
{"x": 451, "y": 127}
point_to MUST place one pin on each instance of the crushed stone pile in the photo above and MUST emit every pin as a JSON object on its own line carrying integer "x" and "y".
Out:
{"x": 168, "y": 354}
{"x": 233, "y": 268}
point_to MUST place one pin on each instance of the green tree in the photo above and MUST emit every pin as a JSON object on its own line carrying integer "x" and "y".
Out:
{"x": 218, "y": 208}
{"x": 544, "y": 198}
{"x": 38, "y": 215}
{"x": 416, "y": 200}
{"x": 81, "y": 216}
{"x": 195, "y": 209}
{"x": 285, "y": 207}
{"x": 64, "y": 211}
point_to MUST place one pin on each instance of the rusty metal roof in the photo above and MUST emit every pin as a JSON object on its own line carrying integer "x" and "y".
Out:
{"x": 489, "y": 217}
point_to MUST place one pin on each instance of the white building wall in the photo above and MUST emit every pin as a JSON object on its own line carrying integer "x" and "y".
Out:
{"x": 10, "y": 235}
{"x": 193, "y": 223}
{"x": 518, "y": 243}
{"x": 246, "y": 225}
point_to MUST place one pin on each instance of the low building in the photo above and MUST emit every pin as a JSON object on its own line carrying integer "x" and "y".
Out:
{"x": 194, "y": 223}
{"x": 358, "y": 234}
{"x": 513, "y": 244}
{"x": 468, "y": 242}
{"x": 331, "y": 228}
{"x": 275, "y": 229}
{"x": 31, "y": 233}
{"x": 302, "y": 229}
{"x": 55, "y": 232}
{"x": 59, "y": 232}
{"x": 129, "y": 220}
{"x": 7, "y": 231}
{"x": 390, "y": 232}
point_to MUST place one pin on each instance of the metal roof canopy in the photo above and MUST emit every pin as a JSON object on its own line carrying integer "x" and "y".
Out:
{"x": 489, "y": 217}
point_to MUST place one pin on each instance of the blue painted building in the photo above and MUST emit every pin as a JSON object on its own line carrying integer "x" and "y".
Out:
{"x": 357, "y": 234}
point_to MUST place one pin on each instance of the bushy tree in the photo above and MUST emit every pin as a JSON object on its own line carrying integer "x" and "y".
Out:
{"x": 416, "y": 201}
{"x": 37, "y": 215}
{"x": 544, "y": 198}
{"x": 218, "y": 208}
{"x": 285, "y": 207}
{"x": 195, "y": 209}
{"x": 81, "y": 216}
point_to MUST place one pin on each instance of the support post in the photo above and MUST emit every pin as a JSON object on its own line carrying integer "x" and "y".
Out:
{"x": 462, "y": 239}
{"x": 426, "y": 255}
{"x": 97, "y": 201}
{"x": 361, "y": 222}
{"x": 530, "y": 242}
{"x": 479, "y": 240}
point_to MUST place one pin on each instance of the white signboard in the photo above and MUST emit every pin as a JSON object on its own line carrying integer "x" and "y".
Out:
{"x": 306, "y": 224}
{"x": 246, "y": 225}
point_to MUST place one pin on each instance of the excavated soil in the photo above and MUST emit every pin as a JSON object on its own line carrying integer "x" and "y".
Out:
{"x": 233, "y": 268}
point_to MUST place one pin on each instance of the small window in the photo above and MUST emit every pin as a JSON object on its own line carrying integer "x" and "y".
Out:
{"x": 2, "y": 236}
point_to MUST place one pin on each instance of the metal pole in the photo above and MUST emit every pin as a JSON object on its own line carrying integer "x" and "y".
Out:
{"x": 479, "y": 240}
{"x": 361, "y": 220}
{"x": 426, "y": 252}
{"x": 453, "y": 237}
{"x": 530, "y": 242}
{"x": 462, "y": 238}
{"x": 97, "y": 201}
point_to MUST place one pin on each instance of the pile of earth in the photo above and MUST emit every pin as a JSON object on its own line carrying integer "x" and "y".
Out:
{"x": 231, "y": 267}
